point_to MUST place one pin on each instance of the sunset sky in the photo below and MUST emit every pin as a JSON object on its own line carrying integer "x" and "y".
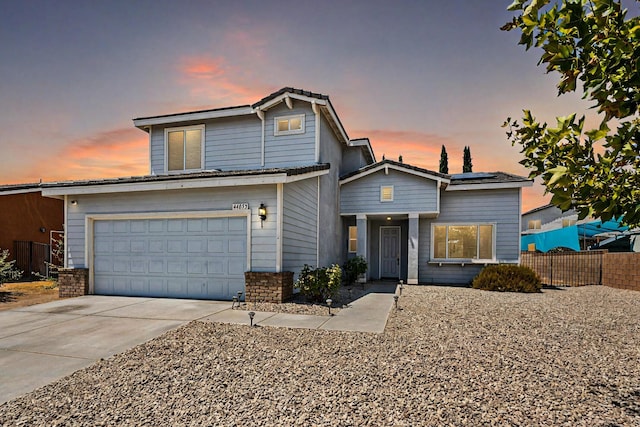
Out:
{"x": 410, "y": 75}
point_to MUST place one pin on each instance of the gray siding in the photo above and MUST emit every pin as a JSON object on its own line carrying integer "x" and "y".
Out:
{"x": 411, "y": 194}
{"x": 290, "y": 150}
{"x": 230, "y": 143}
{"x": 352, "y": 160}
{"x": 331, "y": 245}
{"x": 263, "y": 238}
{"x": 501, "y": 207}
{"x": 299, "y": 228}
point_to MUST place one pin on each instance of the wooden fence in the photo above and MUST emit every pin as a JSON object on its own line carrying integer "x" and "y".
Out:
{"x": 32, "y": 258}
{"x": 566, "y": 268}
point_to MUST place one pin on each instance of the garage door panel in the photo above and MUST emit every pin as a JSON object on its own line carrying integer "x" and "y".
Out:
{"x": 191, "y": 257}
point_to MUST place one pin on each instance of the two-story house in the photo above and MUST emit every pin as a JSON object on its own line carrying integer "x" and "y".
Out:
{"x": 270, "y": 187}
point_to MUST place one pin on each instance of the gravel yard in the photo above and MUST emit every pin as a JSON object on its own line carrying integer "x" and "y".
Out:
{"x": 449, "y": 356}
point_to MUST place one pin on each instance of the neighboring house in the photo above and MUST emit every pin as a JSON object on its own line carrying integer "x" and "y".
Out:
{"x": 547, "y": 228}
{"x": 28, "y": 222}
{"x": 270, "y": 187}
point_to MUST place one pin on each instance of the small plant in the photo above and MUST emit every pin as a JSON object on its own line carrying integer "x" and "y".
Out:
{"x": 353, "y": 268}
{"x": 320, "y": 283}
{"x": 7, "y": 268}
{"x": 507, "y": 278}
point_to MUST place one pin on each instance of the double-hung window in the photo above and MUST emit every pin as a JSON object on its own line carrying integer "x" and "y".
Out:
{"x": 463, "y": 241}
{"x": 184, "y": 148}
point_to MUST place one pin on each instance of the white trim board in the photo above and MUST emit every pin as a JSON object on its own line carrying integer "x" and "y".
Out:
{"x": 397, "y": 168}
{"x": 193, "y": 116}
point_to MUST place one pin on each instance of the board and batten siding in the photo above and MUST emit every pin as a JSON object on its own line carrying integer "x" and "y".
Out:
{"x": 299, "y": 227}
{"x": 229, "y": 143}
{"x": 501, "y": 207}
{"x": 410, "y": 194}
{"x": 263, "y": 236}
{"x": 290, "y": 150}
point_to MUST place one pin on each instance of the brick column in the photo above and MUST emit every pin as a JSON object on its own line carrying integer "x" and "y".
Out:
{"x": 268, "y": 287}
{"x": 73, "y": 282}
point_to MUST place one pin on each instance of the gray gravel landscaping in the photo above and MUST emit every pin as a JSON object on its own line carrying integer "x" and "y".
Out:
{"x": 449, "y": 356}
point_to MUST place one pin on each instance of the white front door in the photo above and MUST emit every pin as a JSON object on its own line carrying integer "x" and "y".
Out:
{"x": 390, "y": 252}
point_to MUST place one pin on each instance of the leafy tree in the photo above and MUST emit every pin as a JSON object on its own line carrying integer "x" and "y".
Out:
{"x": 467, "y": 166}
{"x": 444, "y": 161}
{"x": 594, "y": 171}
{"x": 7, "y": 268}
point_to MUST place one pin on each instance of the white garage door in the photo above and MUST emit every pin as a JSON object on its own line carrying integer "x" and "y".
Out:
{"x": 201, "y": 258}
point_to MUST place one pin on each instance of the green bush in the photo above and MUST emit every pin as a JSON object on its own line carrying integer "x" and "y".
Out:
{"x": 507, "y": 278}
{"x": 353, "y": 268}
{"x": 320, "y": 283}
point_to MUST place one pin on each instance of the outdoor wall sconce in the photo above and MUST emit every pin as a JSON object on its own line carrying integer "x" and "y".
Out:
{"x": 74, "y": 202}
{"x": 42, "y": 229}
{"x": 262, "y": 213}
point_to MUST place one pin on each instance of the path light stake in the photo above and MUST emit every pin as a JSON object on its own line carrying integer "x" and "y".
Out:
{"x": 401, "y": 283}
{"x": 350, "y": 296}
{"x": 395, "y": 300}
{"x": 329, "y": 301}
{"x": 251, "y": 314}
{"x": 235, "y": 300}
{"x": 239, "y": 297}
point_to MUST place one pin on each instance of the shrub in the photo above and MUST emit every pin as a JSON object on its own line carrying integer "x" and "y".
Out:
{"x": 7, "y": 269}
{"x": 507, "y": 278}
{"x": 353, "y": 268}
{"x": 320, "y": 283}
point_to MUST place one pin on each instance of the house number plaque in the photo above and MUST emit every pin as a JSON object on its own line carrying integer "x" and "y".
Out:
{"x": 239, "y": 206}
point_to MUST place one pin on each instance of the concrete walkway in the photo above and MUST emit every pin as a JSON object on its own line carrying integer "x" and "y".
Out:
{"x": 42, "y": 343}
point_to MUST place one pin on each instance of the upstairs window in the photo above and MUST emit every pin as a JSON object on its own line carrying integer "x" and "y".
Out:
{"x": 534, "y": 224}
{"x": 386, "y": 193}
{"x": 184, "y": 148}
{"x": 568, "y": 222}
{"x": 463, "y": 241}
{"x": 289, "y": 125}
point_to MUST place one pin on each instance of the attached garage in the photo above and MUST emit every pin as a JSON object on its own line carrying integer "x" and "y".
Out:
{"x": 163, "y": 256}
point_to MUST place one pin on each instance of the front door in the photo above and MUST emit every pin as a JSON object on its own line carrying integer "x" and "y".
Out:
{"x": 390, "y": 252}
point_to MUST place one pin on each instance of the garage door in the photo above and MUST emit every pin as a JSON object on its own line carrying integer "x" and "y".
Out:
{"x": 201, "y": 258}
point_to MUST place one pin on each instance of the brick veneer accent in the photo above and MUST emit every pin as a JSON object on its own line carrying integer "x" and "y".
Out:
{"x": 621, "y": 270}
{"x": 268, "y": 287}
{"x": 73, "y": 282}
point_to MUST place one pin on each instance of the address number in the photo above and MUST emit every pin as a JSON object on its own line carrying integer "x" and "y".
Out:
{"x": 239, "y": 206}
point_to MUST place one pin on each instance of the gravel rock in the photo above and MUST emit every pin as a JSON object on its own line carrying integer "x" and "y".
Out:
{"x": 449, "y": 356}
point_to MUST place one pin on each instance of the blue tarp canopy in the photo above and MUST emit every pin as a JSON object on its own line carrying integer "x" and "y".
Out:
{"x": 566, "y": 237}
{"x": 569, "y": 237}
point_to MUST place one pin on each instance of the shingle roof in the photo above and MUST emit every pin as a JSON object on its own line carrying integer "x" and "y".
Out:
{"x": 290, "y": 90}
{"x": 488, "y": 178}
{"x": 191, "y": 112}
{"x": 17, "y": 187}
{"x": 392, "y": 162}
{"x": 195, "y": 175}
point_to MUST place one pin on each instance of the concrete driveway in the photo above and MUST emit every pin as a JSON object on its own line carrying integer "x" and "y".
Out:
{"x": 42, "y": 343}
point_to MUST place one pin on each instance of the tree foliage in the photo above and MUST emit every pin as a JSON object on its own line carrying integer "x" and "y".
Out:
{"x": 591, "y": 42}
{"x": 444, "y": 161}
{"x": 467, "y": 166}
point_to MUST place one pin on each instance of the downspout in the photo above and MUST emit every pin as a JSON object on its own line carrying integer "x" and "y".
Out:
{"x": 260, "y": 115}
{"x": 66, "y": 228}
{"x": 150, "y": 152}
{"x": 316, "y": 111}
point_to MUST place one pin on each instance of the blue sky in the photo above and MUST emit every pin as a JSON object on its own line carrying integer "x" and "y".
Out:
{"x": 410, "y": 75}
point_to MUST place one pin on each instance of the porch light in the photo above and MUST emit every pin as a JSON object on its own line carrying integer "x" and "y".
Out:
{"x": 388, "y": 218}
{"x": 262, "y": 213}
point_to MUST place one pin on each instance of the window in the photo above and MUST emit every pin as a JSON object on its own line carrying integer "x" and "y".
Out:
{"x": 184, "y": 148}
{"x": 386, "y": 193}
{"x": 464, "y": 241}
{"x": 289, "y": 125}
{"x": 568, "y": 222}
{"x": 534, "y": 224}
{"x": 353, "y": 239}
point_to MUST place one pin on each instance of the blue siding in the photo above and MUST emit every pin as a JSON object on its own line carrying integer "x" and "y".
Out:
{"x": 290, "y": 150}
{"x": 299, "y": 228}
{"x": 352, "y": 160}
{"x": 263, "y": 237}
{"x": 411, "y": 194}
{"x": 501, "y": 207}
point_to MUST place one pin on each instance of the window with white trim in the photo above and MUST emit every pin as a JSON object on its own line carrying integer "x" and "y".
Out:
{"x": 288, "y": 125}
{"x": 184, "y": 148}
{"x": 463, "y": 241}
{"x": 568, "y": 222}
{"x": 386, "y": 193}
{"x": 534, "y": 224}
{"x": 353, "y": 239}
